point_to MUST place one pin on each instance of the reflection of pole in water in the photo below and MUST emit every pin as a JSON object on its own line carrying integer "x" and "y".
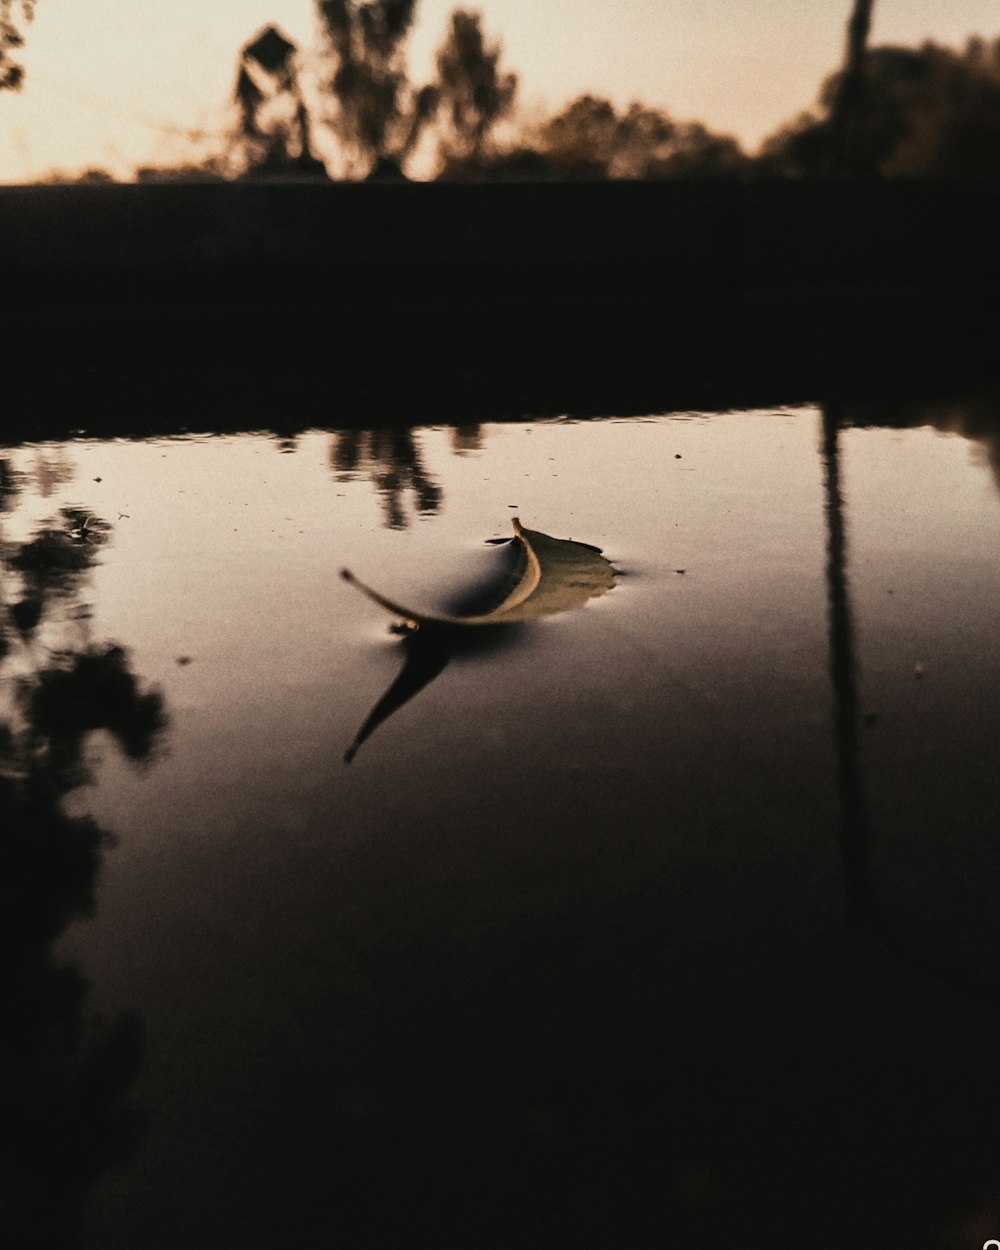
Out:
{"x": 854, "y": 830}
{"x": 853, "y": 819}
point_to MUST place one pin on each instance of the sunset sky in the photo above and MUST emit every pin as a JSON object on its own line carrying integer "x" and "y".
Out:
{"x": 109, "y": 82}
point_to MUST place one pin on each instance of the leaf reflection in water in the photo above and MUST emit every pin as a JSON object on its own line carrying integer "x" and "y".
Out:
{"x": 549, "y": 575}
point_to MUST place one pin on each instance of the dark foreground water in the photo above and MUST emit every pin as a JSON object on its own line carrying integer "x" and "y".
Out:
{"x": 671, "y": 921}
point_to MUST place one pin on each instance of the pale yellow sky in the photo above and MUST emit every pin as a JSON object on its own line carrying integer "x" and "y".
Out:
{"x": 108, "y": 79}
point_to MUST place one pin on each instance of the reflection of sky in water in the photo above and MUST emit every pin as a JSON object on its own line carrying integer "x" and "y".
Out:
{"x": 228, "y": 555}
{"x": 675, "y": 733}
{"x": 229, "y": 551}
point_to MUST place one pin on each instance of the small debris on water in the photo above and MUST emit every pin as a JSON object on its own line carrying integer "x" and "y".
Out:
{"x": 680, "y": 570}
{"x": 919, "y": 670}
{"x": 677, "y": 455}
{"x": 183, "y": 660}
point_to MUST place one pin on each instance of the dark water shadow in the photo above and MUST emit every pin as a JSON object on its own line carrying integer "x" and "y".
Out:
{"x": 427, "y": 651}
{"x": 538, "y": 1026}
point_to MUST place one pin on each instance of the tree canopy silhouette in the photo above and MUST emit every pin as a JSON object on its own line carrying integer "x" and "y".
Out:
{"x": 12, "y": 74}
{"x": 892, "y": 111}
{"x": 365, "y": 97}
{"x": 590, "y": 138}
{"x": 931, "y": 111}
{"x": 378, "y": 114}
{"x": 474, "y": 92}
{"x": 274, "y": 127}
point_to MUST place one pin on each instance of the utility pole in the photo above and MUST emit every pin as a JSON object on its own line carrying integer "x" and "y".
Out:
{"x": 849, "y": 106}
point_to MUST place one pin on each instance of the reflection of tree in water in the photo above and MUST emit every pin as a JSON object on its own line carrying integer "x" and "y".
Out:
{"x": 51, "y": 469}
{"x": 391, "y": 459}
{"x": 10, "y": 480}
{"x": 976, "y": 418}
{"x": 465, "y": 439}
{"x": 64, "y": 1114}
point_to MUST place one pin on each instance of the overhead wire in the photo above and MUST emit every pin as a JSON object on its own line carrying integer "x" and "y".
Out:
{"x": 110, "y": 108}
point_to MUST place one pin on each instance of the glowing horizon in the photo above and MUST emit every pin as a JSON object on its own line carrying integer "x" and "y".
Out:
{"x": 114, "y": 86}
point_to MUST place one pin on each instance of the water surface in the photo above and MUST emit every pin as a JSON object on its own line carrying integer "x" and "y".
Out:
{"x": 659, "y": 922}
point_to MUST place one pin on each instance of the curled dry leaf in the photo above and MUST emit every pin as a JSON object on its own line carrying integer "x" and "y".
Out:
{"x": 551, "y": 575}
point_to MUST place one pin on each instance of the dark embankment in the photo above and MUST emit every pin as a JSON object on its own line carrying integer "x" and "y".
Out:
{"x": 139, "y": 308}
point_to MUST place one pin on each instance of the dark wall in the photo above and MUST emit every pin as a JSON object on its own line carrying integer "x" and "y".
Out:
{"x": 616, "y": 296}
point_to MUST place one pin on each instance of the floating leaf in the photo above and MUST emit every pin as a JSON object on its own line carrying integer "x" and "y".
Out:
{"x": 551, "y": 575}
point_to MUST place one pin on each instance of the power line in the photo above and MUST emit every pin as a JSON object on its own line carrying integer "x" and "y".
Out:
{"x": 135, "y": 116}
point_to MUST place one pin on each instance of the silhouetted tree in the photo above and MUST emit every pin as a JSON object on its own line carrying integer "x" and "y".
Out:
{"x": 591, "y": 139}
{"x": 212, "y": 169}
{"x": 699, "y": 153}
{"x": 474, "y": 93}
{"x": 274, "y": 128}
{"x": 522, "y": 163}
{"x": 930, "y": 111}
{"x": 953, "y": 119}
{"x": 580, "y": 140}
{"x": 378, "y": 115}
{"x": 11, "y": 74}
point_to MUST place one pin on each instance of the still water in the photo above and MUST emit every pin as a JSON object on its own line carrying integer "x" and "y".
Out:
{"x": 667, "y": 920}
